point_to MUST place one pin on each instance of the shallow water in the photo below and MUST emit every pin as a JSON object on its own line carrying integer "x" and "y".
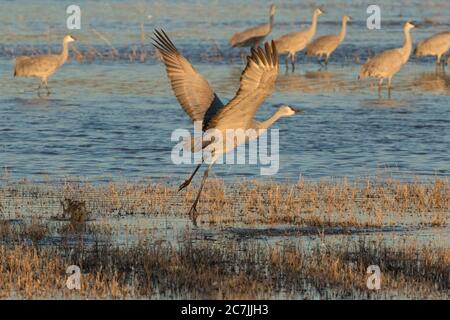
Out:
{"x": 113, "y": 117}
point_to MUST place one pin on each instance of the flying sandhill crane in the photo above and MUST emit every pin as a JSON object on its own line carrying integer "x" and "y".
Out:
{"x": 293, "y": 42}
{"x": 325, "y": 45}
{"x": 252, "y": 37}
{"x": 201, "y": 103}
{"x": 386, "y": 64}
{"x": 42, "y": 66}
{"x": 436, "y": 45}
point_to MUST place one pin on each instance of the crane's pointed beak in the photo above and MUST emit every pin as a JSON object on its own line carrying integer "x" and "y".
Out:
{"x": 297, "y": 111}
{"x": 413, "y": 24}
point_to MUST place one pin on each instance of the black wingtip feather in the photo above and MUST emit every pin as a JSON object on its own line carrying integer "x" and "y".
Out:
{"x": 269, "y": 53}
{"x": 163, "y": 42}
{"x": 275, "y": 52}
{"x": 263, "y": 56}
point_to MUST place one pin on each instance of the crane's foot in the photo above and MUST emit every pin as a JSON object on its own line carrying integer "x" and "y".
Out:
{"x": 184, "y": 184}
{"x": 193, "y": 214}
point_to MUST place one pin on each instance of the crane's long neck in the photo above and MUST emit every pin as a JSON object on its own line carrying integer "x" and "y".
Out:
{"x": 65, "y": 53}
{"x": 343, "y": 30}
{"x": 407, "y": 45}
{"x": 269, "y": 122}
{"x": 313, "y": 27}
{"x": 271, "y": 21}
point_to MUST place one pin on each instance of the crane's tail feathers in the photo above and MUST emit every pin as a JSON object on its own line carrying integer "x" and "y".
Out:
{"x": 364, "y": 72}
{"x": 233, "y": 41}
{"x": 237, "y": 39}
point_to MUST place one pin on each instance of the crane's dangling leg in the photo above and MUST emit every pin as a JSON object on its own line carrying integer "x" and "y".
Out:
{"x": 293, "y": 58}
{"x": 380, "y": 84}
{"x": 188, "y": 181}
{"x": 46, "y": 87}
{"x": 389, "y": 87}
{"x": 286, "y": 61}
{"x": 193, "y": 211}
{"x": 326, "y": 61}
{"x": 39, "y": 89}
{"x": 442, "y": 63}
{"x": 319, "y": 61}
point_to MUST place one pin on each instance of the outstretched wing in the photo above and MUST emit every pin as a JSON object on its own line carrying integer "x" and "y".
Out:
{"x": 192, "y": 90}
{"x": 257, "y": 83}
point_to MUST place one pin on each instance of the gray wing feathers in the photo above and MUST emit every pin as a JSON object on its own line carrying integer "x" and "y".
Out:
{"x": 257, "y": 83}
{"x": 192, "y": 90}
{"x": 437, "y": 44}
{"x": 36, "y": 66}
{"x": 385, "y": 64}
{"x": 242, "y": 37}
{"x": 292, "y": 42}
{"x": 327, "y": 43}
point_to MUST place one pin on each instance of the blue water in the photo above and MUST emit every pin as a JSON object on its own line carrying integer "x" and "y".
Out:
{"x": 113, "y": 118}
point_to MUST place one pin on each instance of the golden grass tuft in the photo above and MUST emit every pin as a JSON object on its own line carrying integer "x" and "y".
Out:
{"x": 201, "y": 270}
{"x": 363, "y": 203}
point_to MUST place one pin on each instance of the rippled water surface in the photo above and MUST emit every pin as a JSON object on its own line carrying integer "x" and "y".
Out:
{"x": 112, "y": 115}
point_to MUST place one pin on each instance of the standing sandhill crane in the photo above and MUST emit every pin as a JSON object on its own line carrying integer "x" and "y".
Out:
{"x": 201, "y": 103}
{"x": 42, "y": 66}
{"x": 252, "y": 37}
{"x": 436, "y": 45}
{"x": 293, "y": 42}
{"x": 325, "y": 45}
{"x": 388, "y": 63}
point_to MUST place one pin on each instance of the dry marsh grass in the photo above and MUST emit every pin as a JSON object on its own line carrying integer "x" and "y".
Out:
{"x": 201, "y": 270}
{"x": 340, "y": 203}
{"x": 44, "y": 228}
